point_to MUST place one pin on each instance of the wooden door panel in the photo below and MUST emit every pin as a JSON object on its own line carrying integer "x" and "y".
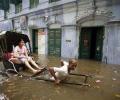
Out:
{"x": 85, "y": 44}
{"x": 99, "y": 44}
{"x": 54, "y": 42}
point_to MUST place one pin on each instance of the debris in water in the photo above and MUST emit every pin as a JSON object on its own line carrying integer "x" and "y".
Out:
{"x": 3, "y": 97}
{"x": 117, "y": 95}
{"x": 115, "y": 71}
{"x": 114, "y": 79}
{"x": 98, "y": 81}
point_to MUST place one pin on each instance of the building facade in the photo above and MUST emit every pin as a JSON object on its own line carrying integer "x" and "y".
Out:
{"x": 83, "y": 29}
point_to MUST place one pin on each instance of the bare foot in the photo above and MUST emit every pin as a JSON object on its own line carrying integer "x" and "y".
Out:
{"x": 36, "y": 73}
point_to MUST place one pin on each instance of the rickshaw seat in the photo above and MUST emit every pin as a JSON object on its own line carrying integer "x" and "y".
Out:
{"x": 8, "y": 40}
{"x": 8, "y": 64}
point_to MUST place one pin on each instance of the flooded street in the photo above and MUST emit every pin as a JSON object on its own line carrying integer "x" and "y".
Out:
{"x": 105, "y": 84}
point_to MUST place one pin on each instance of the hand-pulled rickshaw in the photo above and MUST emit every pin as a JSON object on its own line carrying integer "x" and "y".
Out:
{"x": 8, "y": 40}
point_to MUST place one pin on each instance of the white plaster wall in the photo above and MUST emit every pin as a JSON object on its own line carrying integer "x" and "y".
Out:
{"x": 69, "y": 18}
{"x": 69, "y": 47}
{"x": 111, "y": 48}
{"x": 1, "y": 15}
{"x": 69, "y": 43}
{"x": 41, "y": 44}
{"x": 11, "y": 10}
{"x": 93, "y": 23}
{"x": 116, "y": 12}
{"x": 69, "y": 14}
{"x": 36, "y": 22}
{"x": 25, "y": 5}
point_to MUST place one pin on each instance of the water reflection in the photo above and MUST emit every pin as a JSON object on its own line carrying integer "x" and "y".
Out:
{"x": 3, "y": 97}
{"x": 104, "y": 84}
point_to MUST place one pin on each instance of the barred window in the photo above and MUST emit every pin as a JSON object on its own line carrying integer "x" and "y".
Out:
{"x": 18, "y": 7}
{"x": 34, "y": 3}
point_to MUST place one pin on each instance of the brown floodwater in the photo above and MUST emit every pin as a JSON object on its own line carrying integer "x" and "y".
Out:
{"x": 104, "y": 84}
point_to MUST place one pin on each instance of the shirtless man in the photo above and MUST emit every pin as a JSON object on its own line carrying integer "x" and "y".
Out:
{"x": 60, "y": 73}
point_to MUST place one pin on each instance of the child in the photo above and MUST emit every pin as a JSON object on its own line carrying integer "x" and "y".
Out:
{"x": 61, "y": 73}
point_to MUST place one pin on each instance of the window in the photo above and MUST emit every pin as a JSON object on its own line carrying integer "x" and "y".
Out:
{"x": 34, "y": 3}
{"x": 50, "y": 1}
{"x": 18, "y": 7}
{"x": 6, "y": 12}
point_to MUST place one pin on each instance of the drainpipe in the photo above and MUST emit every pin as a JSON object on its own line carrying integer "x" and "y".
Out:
{"x": 77, "y": 9}
{"x": 76, "y": 12}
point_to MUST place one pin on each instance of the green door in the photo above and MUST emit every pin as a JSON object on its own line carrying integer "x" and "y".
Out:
{"x": 85, "y": 43}
{"x": 54, "y": 42}
{"x": 99, "y": 44}
{"x": 91, "y": 43}
{"x": 35, "y": 40}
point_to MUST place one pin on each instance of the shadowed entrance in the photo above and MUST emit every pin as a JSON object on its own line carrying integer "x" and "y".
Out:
{"x": 91, "y": 43}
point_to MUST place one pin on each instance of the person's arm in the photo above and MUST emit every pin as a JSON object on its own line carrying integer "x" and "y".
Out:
{"x": 26, "y": 53}
{"x": 65, "y": 63}
{"x": 62, "y": 63}
{"x": 16, "y": 55}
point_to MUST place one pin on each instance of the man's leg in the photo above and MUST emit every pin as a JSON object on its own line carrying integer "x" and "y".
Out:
{"x": 52, "y": 72}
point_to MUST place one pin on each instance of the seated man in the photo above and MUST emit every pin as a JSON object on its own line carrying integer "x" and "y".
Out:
{"x": 61, "y": 73}
{"x": 20, "y": 56}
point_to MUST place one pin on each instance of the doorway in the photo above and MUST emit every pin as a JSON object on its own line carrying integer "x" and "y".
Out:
{"x": 54, "y": 42}
{"x": 35, "y": 40}
{"x": 91, "y": 43}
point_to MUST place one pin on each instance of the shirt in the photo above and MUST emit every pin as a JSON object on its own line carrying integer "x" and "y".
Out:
{"x": 20, "y": 51}
{"x": 62, "y": 72}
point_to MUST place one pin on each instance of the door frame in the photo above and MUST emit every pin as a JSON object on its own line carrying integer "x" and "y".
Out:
{"x": 80, "y": 39}
{"x": 34, "y": 40}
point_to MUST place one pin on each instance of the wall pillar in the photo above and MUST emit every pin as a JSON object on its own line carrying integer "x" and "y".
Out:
{"x": 111, "y": 48}
{"x": 69, "y": 42}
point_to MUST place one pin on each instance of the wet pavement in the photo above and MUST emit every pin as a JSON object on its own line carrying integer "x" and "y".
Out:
{"x": 105, "y": 84}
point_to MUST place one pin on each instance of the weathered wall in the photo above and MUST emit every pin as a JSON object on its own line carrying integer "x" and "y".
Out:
{"x": 111, "y": 49}
{"x": 69, "y": 43}
{"x": 11, "y": 10}
{"x": 69, "y": 34}
{"x": 1, "y": 15}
